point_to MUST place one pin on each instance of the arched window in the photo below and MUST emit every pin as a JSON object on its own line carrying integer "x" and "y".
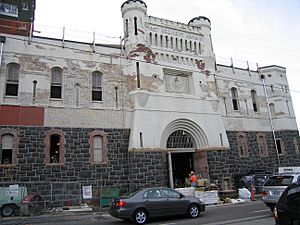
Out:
{"x": 199, "y": 48}
{"x": 56, "y": 83}
{"x": 180, "y": 139}
{"x": 96, "y": 86}
{"x": 12, "y": 80}
{"x": 7, "y": 141}
{"x": 234, "y": 97}
{"x": 242, "y": 145}
{"x": 161, "y": 41}
{"x": 254, "y": 100}
{"x": 135, "y": 26}
{"x": 54, "y": 152}
{"x": 98, "y": 147}
{"x": 150, "y": 38}
{"x": 155, "y": 40}
{"x": 262, "y": 145}
{"x": 272, "y": 109}
{"x": 8, "y": 147}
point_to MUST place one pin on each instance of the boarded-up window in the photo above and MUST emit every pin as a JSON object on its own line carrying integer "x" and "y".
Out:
{"x": 98, "y": 148}
{"x": 242, "y": 145}
{"x": 262, "y": 145}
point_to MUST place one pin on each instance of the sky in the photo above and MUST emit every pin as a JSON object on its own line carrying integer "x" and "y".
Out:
{"x": 266, "y": 32}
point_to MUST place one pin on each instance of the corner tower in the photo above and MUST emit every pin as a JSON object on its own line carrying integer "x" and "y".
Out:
{"x": 134, "y": 13}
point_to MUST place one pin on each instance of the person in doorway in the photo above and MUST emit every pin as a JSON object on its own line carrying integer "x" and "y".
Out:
{"x": 193, "y": 179}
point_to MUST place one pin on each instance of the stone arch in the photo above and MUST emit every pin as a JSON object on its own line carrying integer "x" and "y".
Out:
{"x": 186, "y": 125}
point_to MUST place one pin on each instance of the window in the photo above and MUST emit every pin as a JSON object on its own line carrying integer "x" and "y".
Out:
{"x": 56, "y": 83}
{"x": 54, "y": 147}
{"x": 126, "y": 28}
{"x": 8, "y": 147}
{"x": 296, "y": 145}
{"x": 98, "y": 147}
{"x": 135, "y": 26}
{"x": 138, "y": 78}
{"x": 254, "y": 100}
{"x": 280, "y": 146}
{"x": 97, "y": 86}
{"x": 153, "y": 193}
{"x": 12, "y": 81}
{"x": 272, "y": 109}
{"x": 150, "y": 38}
{"x": 234, "y": 97}
{"x": 262, "y": 145}
{"x": 167, "y": 193}
{"x": 242, "y": 145}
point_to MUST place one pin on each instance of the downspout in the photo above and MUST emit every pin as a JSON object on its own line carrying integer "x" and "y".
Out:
{"x": 270, "y": 117}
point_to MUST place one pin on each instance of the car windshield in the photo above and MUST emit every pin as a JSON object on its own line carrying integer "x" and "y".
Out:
{"x": 279, "y": 181}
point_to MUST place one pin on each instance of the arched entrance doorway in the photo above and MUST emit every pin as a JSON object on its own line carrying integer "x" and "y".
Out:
{"x": 184, "y": 139}
{"x": 181, "y": 146}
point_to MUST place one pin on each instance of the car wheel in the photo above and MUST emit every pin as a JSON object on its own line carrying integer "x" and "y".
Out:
{"x": 7, "y": 210}
{"x": 140, "y": 216}
{"x": 193, "y": 211}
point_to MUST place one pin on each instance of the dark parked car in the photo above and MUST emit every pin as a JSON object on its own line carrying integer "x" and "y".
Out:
{"x": 155, "y": 202}
{"x": 287, "y": 210}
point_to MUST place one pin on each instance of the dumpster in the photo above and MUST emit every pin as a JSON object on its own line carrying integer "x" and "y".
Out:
{"x": 107, "y": 194}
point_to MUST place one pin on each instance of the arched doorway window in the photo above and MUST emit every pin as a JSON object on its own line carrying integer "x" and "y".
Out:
{"x": 180, "y": 139}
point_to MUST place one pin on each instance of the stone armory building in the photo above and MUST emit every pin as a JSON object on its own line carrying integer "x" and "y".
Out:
{"x": 144, "y": 113}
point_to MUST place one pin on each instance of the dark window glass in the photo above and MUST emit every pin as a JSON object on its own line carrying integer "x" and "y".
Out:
{"x": 12, "y": 82}
{"x": 279, "y": 181}
{"x": 56, "y": 83}
{"x": 97, "y": 86}
{"x": 54, "y": 148}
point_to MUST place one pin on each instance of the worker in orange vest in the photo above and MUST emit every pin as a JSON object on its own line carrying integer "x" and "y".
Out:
{"x": 193, "y": 179}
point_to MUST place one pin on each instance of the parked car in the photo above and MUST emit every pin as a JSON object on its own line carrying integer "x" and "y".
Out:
{"x": 274, "y": 187}
{"x": 287, "y": 210}
{"x": 155, "y": 202}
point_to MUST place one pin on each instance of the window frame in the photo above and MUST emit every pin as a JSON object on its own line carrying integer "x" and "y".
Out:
{"x": 254, "y": 101}
{"x": 243, "y": 137}
{"x": 12, "y": 79}
{"x": 104, "y": 146}
{"x": 97, "y": 89}
{"x": 263, "y": 152}
{"x": 235, "y": 99}
{"x": 56, "y": 85}
{"x": 16, "y": 139}
{"x": 48, "y": 146}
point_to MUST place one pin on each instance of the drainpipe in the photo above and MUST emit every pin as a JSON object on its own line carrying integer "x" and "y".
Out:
{"x": 2, "y": 40}
{"x": 270, "y": 117}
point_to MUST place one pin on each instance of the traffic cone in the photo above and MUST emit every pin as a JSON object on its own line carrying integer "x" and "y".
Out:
{"x": 252, "y": 192}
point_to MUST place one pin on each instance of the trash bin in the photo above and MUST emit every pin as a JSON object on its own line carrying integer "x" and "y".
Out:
{"x": 32, "y": 205}
{"x": 107, "y": 194}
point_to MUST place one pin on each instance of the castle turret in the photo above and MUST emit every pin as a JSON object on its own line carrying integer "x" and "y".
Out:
{"x": 204, "y": 23}
{"x": 134, "y": 13}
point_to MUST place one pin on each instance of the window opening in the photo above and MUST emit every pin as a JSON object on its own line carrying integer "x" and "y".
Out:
{"x": 288, "y": 107}
{"x": 161, "y": 41}
{"x": 155, "y": 37}
{"x": 242, "y": 145}
{"x": 34, "y": 91}
{"x": 97, "y": 86}
{"x": 12, "y": 82}
{"x": 167, "y": 44}
{"x": 254, "y": 100}
{"x": 279, "y": 146}
{"x": 195, "y": 47}
{"x": 180, "y": 139}
{"x": 54, "y": 148}
{"x": 199, "y": 48}
{"x": 172, "y": 44}
{"x": 135, "y": 26}
{"x": 234, "y": 96}
{"x": 138, "y": 75}
{"x": 272, "y": 109}
{"x": 150, "y": 38}
{"x": 116, "y": 91}
{"x": 141, "y": 140}
{"x": 77, "y": 93}
{"x": 56, "y": 83}
{"x": 225, "y": 106}
{"x": 98, "y": 148}
{"x": 6, "y": 154}
{"x": 126, "y": 28}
